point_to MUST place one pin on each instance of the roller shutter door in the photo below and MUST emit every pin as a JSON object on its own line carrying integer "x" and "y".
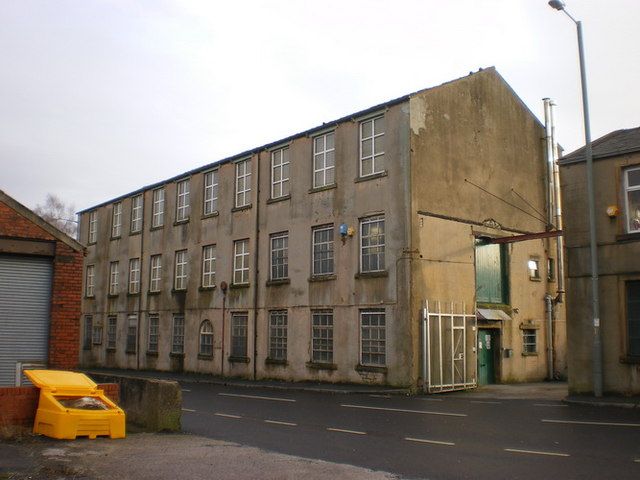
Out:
{"x": 25, "y": 298}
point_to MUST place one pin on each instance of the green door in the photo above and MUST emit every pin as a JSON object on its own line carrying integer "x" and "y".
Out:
{"x": 486, "y": 348}
{"x": 491, "y": 274}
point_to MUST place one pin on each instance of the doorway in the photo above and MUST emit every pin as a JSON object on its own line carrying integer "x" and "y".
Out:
{"x": 487, "y": 348}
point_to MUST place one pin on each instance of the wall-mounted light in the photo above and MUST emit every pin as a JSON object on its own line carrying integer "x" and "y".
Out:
{"x": 613, "y": 211}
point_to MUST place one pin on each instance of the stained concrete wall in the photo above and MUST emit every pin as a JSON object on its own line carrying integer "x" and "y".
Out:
{"x": 618, "y": 261}
{"x": 473, "y": 140}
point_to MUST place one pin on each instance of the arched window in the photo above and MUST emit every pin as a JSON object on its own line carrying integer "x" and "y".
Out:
{"x": 206, "y": 339}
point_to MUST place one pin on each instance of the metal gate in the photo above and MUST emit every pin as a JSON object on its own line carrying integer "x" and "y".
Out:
{"x": 449, "y": 356}
{"x": 25, "y": 298}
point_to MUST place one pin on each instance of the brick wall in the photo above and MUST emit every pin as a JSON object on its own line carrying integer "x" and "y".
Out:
{"x": 18, "y": 405}
{"x": 64, "y": 339}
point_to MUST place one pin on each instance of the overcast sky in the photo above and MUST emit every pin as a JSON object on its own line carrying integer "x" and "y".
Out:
{"x": 98, "y": 98}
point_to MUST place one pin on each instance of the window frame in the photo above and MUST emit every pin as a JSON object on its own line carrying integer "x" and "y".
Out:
{"x": 112, "y": 332}
{"x": 528, "y": 347}
{"x": 153, "y": 269}
{"x": 134, "y": 276}
{"x": 363, "y": 351}
{"x": 551, "y": 269}
{"x": 322, "y": 154}
{"x": 245, "y": 175}
{"x": 157, "y": 208}
{"x": 318, "y": 353}
{"x": 534, "y": 273}
{"x": 330, "y": 251}
{"x": 180, "y": 273}
{"x": 372, "y": 138}
{"x": 131, "y": 345}
{"x": 92, "y": 234}
{"x": 96, "y": 335}
{"x": 116, "y": 220}
{"x": 279, "y": 257}
{"x": 210, "y": 192}
{"x": 87, "y": 338}
{"x": 153, "y": 332}
{"x": 183, "y": 200}
{"x": 243, "y": 268}
{"x": 90, "y": 281}
{"x": 114, "y": 274}
{"x": 177, "y": 334}
{"x": 627, "y": 189}
{"x": 381, "y": 257}
{"x": 237, "y": 320}
{"x": 280, "y": 162}
{"x": 137, "y": 212}
{"x": 208, "y": 278}
{"x": 278, "y": 335}
{"x": 205, "y": 339}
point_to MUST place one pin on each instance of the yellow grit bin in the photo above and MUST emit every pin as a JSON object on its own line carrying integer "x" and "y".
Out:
{"x": 71, "y": 405}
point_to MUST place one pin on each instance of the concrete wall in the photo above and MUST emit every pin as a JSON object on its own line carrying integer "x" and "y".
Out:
{"x": 618, "y": 261}
{"x": 470, "y": 137}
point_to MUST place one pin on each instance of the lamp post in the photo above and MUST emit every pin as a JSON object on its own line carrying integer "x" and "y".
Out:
{"x": 596, "y": 356}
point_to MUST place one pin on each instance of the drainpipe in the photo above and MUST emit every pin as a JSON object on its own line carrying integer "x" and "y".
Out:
{"x": 558, "y": 212}
{"x": 548, "y": 300}
{"x": 256, "y": 257}
{"x": 425, "y": 350}
{"x": 550, "y": 197}
{"x": 142, "y": 227}
{"x": 223, "y": 287}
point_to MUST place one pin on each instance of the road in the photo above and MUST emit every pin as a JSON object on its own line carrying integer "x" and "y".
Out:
{"x": 442, "y": 437}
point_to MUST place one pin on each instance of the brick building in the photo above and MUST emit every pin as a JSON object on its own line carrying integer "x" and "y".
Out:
{"x": 40, "y": 288}
{"x": 330, "y": 241}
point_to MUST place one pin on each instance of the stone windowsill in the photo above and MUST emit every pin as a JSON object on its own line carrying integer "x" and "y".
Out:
{"x": 155, "y": 292}
{"x": 278, "y": 199}
{"x": 207, "y": 289}
{"x": 241, "y": 209}
{"x": 371, "y": 368}
{"x": 529, "y": 354}
{"x": 235, "y": 286}
{"x": 321, "y": 366}
{"x": 371, "y": 177}
{"x": 176, "y": 355}
{"x": 324, "y": 188}
{"x": 628, "y": 237}
{"x": 280, "y": 281}
{"x": 205, "y": 357}
{"x": 213, "y": 214}
{"x": 322, "y": 278}
{"x": 380, "y": 274}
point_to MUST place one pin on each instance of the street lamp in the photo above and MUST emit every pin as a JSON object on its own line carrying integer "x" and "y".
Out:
{"x": 596, "y": 356}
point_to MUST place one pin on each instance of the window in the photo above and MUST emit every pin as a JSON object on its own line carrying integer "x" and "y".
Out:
{"x": 373, "y": 337}
{"x": 280, "y": 173}
{"x": 492, "y": 282}
{"x": 206, "y": 339}
{"x": 177, "y": 339}
{"x": 243, "y": 183}
{"x": 529, "y": 340}
{"x": 90, "y": 281}
{"x": 180, "y": 278}
{"x": 278, "y": 335}
{"x": 210, "y": 192}
{"x": 136, "y": 214}
{"x": 551, "y": 270}
{"x": 632, "y": 199}
{"x": 324, "y": 160}
{"x": 209, "y": 266}
{"x": 116, "y": 220}
{"x": 132, "y": 333}
{"x": 239, "y": 334}
{"x": 241, "y": 262}
{"x": 372, "y": 244}
{"x": 322, "y": 238}
{"x": 93, "y": 227}
{"x": 633, "y": 317}
{"x": 153, "y": 334}
{"x": 112, "y": 324}
{"x": 97, "y": 334}
{"x": 182, "y": 201}
{"x": 155, "y": 273}
{"x": 372, "y": 146}
{"x": 113, "y": 278}
{"x": 157, "y": 209}
{"x": 279, "y": 256}
{"x": 534, "y": 269}
{"x": 322, "y": 336}
{"x": 88, "y": 332}
{"x": 134, "y": 276}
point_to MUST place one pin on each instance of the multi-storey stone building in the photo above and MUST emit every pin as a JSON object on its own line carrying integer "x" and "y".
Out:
{"x": 310, "y": 257}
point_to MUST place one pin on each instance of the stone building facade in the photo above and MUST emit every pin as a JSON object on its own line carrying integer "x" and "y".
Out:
{"x": 309, "y": 258}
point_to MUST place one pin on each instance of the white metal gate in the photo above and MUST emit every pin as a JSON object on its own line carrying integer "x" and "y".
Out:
{"x": 449, "y": 338}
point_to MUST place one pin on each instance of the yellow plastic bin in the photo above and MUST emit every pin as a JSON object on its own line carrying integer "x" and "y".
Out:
{"x": 71, "y": 405}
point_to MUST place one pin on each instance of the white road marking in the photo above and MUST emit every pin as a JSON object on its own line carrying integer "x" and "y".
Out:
{"x": 276, "y": 422}
{"x": 605, "y": 424}
{"x": 536, "y": 452}
{"x": 637, "y": 460}
{"x": 424, "y": 440}
{"x": 486, "y": 401}
{"x": 257, "y": 397}
{"x": 188, "y": 410}
{"x": 185, "y": 390}
{"x": 422, "y": 412}
{"x": 431, "y": 399}
{"x": 380, "y": 396}
{"x": 549, "y": 405}
{"x": 342, "y": 430}
{"x": 227, "y": 415}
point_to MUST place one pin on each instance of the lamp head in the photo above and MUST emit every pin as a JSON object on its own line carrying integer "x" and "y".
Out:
{"x": 557, "y": 4}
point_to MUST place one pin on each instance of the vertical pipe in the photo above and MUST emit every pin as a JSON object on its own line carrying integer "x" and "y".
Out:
{"x": 224, "y": 301}
{"x": 549, "y": 162}
{"x": 140, "y": 293}
{"x": 558, "y": 210}
{"x": 464, "y": 343}
{"x": 440, "y": 340}
{"x": 548, "y": 300}
{"x": 256, "y": 264}
{"x": 453, "y": 353}
{"x": 424, "y": 348}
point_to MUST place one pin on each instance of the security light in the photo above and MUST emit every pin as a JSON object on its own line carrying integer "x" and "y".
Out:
{"x": 557, "y": 4}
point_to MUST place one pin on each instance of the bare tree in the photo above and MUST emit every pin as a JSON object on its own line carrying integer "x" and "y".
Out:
{"x": 59, "y": 214}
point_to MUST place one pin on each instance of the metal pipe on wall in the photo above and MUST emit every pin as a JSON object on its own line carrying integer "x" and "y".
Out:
{"x": 548, "y": 300}
{"x": 558, "y": 209}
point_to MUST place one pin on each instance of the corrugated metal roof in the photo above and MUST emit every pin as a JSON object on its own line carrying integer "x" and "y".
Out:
{"x": 618, "y": 142}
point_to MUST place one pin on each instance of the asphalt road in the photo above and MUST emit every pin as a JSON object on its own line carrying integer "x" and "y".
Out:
{"x": 442, "y": 437}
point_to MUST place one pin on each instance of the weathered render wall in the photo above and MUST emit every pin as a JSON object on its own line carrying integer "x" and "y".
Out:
{"x": 476, "y": 131}
{"x": 618, "y": 261}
